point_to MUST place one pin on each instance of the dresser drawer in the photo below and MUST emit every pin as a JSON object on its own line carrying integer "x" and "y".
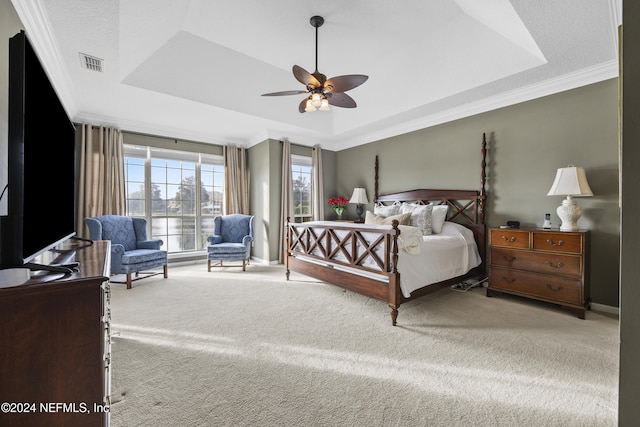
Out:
{"x": 561, "y": 264}
{"x": 558, "y": 289}
{"x": 557, "y": 242}
{"x": 510, "y": 238}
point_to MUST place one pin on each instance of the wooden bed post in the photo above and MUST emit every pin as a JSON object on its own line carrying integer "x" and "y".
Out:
{"x": 483, "y": 178}
{"x": 286, "y": 250}
{"x": 375, "y": 182}
{"x": 394, "y": 279}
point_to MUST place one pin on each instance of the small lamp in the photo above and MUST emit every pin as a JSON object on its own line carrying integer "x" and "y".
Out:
{"x": 359, "y": 197}
{"x": 570, "y": 181}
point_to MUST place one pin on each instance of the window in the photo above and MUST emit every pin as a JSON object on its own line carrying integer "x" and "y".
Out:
{"x": 301, "y": 174}
{"x": 179, "y": 193}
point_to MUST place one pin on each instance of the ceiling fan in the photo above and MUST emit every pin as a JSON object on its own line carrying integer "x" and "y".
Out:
{"x": 322, "y": 92}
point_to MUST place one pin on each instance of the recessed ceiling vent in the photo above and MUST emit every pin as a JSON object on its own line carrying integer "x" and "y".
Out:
{"x": 91, "y": 62}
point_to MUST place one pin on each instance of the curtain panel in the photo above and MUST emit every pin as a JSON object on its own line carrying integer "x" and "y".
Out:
{"x": 236, "y": 194}
{"x": 101, "y": 185}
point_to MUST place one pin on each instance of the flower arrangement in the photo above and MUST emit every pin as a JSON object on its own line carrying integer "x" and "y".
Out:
{"x": 338, "y": 204}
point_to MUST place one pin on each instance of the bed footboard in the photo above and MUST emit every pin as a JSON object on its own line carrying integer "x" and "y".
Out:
{"x": 358, "y": 258}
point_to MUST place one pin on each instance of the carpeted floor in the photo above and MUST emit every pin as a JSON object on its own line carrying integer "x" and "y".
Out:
{"x": 233, "y": 348}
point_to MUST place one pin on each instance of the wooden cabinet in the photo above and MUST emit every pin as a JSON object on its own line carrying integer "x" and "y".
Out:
{"x": 55, "y": 345}
{"x": 547, "y": 265}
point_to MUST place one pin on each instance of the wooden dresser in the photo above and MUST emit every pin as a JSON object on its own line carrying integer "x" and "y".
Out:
{"x": 55, "y": 344}
{"x": 547, "y": 265}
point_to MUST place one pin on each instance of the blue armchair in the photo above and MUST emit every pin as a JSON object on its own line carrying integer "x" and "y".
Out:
{"x": 231, "y": 240}
{"x": 131, "y": 251}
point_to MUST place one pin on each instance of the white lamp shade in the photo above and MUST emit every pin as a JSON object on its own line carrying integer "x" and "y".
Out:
{"x": 325, "y": 105}
{"x": 570, "y": 181}
{"x": 309, "y": 107}
{"x": 359, "y": 196}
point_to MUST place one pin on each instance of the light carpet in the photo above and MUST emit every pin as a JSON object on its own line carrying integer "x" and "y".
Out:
{"x": 233, "y": 348}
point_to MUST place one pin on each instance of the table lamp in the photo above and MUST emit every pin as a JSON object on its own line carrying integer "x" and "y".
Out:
{"x": 570, "y": 181}
{"x": 359, "y": 197}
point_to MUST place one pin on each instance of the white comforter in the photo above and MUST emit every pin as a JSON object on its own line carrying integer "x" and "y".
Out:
{"x": 442, "y": 256}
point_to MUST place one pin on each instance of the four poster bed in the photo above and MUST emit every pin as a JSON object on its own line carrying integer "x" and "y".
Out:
{"x": 370, "y": 259}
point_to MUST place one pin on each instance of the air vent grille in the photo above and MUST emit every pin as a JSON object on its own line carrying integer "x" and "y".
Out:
{"x": 91, "y": 62}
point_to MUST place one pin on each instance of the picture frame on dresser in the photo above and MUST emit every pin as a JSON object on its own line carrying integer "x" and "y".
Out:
{"x": 542, "y": 264}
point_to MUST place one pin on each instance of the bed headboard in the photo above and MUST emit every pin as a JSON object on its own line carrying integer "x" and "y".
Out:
{"x": 466, "y": 207}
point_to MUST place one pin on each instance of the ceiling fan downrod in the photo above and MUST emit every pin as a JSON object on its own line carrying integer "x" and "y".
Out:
{"x": 316, "y": 22}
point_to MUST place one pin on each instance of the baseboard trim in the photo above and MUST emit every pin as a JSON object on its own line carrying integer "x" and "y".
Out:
{"x": 605, "y": 308}
{"x": 264, "y": 261}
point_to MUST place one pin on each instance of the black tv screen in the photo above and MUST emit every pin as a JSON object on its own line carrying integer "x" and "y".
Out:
{"x": 41, "y": 163}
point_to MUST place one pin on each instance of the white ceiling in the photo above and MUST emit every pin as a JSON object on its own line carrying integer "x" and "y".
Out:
{"x": 195, "y": 69}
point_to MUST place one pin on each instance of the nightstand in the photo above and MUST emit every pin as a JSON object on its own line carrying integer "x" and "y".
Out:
{"x": 546, "y": 265}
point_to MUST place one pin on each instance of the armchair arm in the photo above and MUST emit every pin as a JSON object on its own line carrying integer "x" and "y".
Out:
{"x": 246, "y": 240}
{"x": 95, "y": 228}
{"x": 215, "y": 239}
{"x": 149, "y": 244}
{"x": 117, "y": 251}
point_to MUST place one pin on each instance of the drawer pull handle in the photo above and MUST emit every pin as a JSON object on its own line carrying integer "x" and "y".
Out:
{"x": 560, "y": 242}
{"x": 509, "y": 258}
{"x": 555, "y": 289}
{"x": 558, "y": 265}
{"x": 509, "y": 239}
{"x": 508, "y": 279}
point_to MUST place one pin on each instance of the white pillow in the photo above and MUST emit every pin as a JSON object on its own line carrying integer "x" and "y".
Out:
{"x": 420, "y": 216}
{"x": 438, "y": 217}
{"x": 373, "y": 219}
{"x": 382, "y": 210}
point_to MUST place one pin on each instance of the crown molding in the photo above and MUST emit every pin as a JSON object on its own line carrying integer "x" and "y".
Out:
{"x": 36, "y": 25}
{"x": 584, "y": 77}
{"x": 161, "y": 131}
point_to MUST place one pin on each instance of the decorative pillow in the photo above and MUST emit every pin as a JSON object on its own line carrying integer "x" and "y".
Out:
{"x": 385, "y": 211}
{"x": 438, "y": 217}
{"x": 373, "y": 219}
{"x": 420, "y": 216}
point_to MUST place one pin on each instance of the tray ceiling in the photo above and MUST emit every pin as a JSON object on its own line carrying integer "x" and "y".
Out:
{"x": 196, "y": 69}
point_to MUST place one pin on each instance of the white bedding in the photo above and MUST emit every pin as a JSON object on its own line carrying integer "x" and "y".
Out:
{"x": 442, "y": 256}
{"x": 423, "y": 260}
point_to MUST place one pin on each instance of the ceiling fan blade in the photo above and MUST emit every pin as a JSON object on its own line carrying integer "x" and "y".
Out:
{"x": 284, "y": 93}
{"x": 304, "y": 77}
{"x": 302, "y": 105}
{"x": 341, "y": 100}
{"x": 344, "y": 83}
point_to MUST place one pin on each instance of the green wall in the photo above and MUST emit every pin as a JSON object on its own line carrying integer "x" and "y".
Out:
{"x": 264, "y": 162}
{"x": 527, "y": 142}
{"x": 265, "y": 177}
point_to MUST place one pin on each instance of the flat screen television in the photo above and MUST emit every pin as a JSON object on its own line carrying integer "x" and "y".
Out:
{"x": 41, "y": 163}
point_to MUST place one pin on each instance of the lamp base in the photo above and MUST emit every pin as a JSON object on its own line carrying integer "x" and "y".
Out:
{"x": 569, "y": 213}
{"x": 359, "y": 211}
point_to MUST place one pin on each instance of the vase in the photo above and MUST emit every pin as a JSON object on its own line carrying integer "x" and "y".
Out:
{"x": 339, "y": 212}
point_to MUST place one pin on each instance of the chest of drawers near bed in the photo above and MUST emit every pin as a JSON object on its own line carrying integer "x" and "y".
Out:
{"x": 547, "y": 265}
